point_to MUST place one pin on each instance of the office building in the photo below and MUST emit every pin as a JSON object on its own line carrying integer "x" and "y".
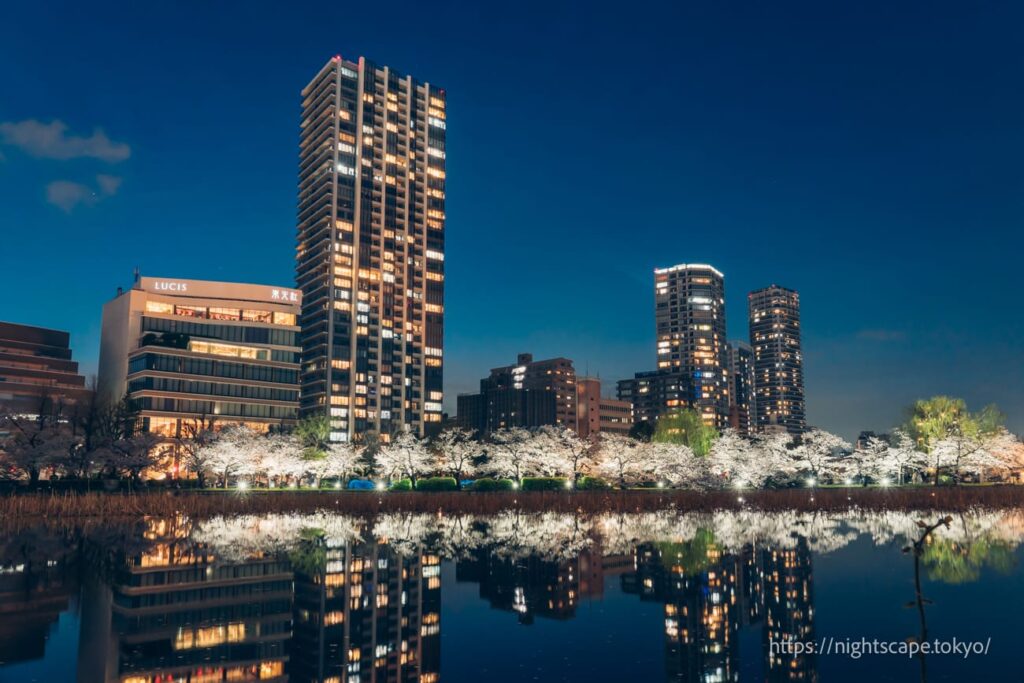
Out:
{"x": 194, "y": 352}
{"x": 37, "y": 374}
{"x": 370, "y": 251}
{"x": 740, "y": 368}
{"x": 778, "y": 361}
{"x": 653, "y": 394}
{"x": 528, "y": 394}
{"x": 595, "y": 414}
{"x": 690, "y": 328}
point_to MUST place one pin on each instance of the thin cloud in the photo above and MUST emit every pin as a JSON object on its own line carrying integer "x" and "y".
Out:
{"x": 68, "y": 195}
{"x": 52, "y": 141}
{"x": 882, "y": 335}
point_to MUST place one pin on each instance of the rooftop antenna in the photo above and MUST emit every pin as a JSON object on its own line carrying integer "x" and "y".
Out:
{"x": 136, "y": 275}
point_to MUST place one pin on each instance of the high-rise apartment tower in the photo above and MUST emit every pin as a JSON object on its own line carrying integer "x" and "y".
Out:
{"x": 778, "y": 361}
{"x": 370, "y": 252}
{"x": 690, "y": 325}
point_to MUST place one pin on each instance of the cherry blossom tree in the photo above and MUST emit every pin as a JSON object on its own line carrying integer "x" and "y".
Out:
{"x": 130, "y": 456}
{"x": 774, "y": 449}
{"x": 343, "y": 458}
{"x": 575, "y": 454}
{"x": 620, "y": 459}
{"x": 509, "y": 452}
{"x": 903, "y": 456}
{"x": 404, "y": 456}
{"x": 456, "y": 451}
{"x": 32, "y": 445}
{"x": 817, "y": 452}
{"x": 676, "y": 465}
{"x": 1008, "y": 449}
{"x": 234, "y": 452}
{"x": 283, "y": 457}
{"x": 546, "y": 454}
{"x": 195, "y": 436}
{"x": 734, "y": 460}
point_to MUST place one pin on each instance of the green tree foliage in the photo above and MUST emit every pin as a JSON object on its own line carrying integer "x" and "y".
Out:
{"x": 686, "y": 428}
{"x": 642, "y": 431}
{"x": 314, "y": 434}
{"x": 942, "y": 417}
{"x": 943, "y": 427}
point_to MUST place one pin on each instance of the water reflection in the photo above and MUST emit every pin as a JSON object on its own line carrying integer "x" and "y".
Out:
{"x": 331, "y": 598}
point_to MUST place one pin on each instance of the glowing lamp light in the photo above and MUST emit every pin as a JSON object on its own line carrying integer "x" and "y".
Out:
{"x": 568, "y": 484}
{"x": 337, "y": 484}
{"x": 243, "y": 486}
{"x": 847, "y": 481}
{"x": 811, "y": 482}
{"x": 515, "y": 485}
{"x": 661, "y": 484}
{"x": 885, "y": 481}
{"x": 381, "y": 486}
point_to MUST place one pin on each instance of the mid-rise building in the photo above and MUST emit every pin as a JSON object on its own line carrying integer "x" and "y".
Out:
{"x": 653, "y": 394}
{"x": 370, "y": 252}
{"x": 192, "y": 351}
{"x": 740, "y": 366}
{"x": 778, "y": 360}
{"x": 690, "y": 328}
{"x": 37, "y": 374}
{"x": 595, "y": 413}
{"x": 528, "y": 394}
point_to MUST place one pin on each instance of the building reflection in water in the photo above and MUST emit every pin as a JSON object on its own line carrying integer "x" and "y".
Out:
{"x": 175, "y": 613}
{"x": 158, "y": 606}
{"x": 710, "y": 595}
{"x": 323, "y": 612}
{"x": 38, "y": 581}
{"x": 365, "y": 613}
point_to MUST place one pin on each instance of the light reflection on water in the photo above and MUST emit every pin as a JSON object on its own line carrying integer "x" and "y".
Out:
{"x": 655, "y": 596}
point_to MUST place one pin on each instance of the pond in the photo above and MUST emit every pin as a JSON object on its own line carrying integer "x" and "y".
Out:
{"x": 732, "y": 595}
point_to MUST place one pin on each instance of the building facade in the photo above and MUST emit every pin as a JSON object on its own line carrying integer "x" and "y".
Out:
{"x": 653, "y": 394}
{"x": 189, "y": 352}
{"x": 778, "y": 360}
{"x": 37, "y": 374}
{"x": 690, "y": 329}
{"x": 595, "y": 414}
{"x": 370, "y": 251}
{"x": 740, "y": 366}
{"x": 528, "y": 394}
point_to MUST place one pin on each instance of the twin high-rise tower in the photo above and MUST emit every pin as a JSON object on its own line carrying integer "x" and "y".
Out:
{"x": 370, "y": 252}
{"x": 751, "y": 388}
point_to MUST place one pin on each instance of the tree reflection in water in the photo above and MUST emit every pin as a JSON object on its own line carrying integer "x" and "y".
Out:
{"x": 328, "y": 597}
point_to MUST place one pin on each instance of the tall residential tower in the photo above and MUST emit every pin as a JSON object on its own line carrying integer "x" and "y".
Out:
{"x": 778, "y": 361}
{"x": 690, "y": 324}
{"x": 370, "y": 252}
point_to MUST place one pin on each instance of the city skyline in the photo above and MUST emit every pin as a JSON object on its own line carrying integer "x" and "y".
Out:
{"x": 884, "y": 318}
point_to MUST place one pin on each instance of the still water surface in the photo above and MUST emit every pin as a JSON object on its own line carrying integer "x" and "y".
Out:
{"x": 666, "y": 596}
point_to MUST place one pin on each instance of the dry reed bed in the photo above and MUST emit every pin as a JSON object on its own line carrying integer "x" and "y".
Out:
{"x": 21, "y": 508}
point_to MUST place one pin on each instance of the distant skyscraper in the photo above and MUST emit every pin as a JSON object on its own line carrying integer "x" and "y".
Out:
{"x": 690, "y": 324}
{"x": 740, "y": 367}
{"x": 778, "y": 360}
{"x": 370, "y": 253}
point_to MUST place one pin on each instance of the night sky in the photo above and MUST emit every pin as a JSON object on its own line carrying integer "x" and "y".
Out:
{"x": 867, "y": 155}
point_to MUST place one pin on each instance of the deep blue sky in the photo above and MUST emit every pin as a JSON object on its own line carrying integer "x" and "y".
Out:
{"x": 868, "y": 155}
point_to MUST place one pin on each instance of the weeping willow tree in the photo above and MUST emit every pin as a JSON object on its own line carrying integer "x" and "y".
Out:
{"x": 686, "y": 428}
